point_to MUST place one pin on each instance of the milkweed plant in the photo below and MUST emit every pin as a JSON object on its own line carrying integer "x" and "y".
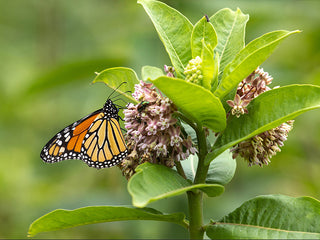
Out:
{"x": 187, "y": 123}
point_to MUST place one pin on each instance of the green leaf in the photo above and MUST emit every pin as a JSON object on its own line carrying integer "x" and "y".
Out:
{"x": 114, "y": 77}
{"x": 209, "y": 67}
{"x": 248, "y": 59}
{"x": 202, "y": 31}
{"x": 270, "y": 217}
{"x": 153, "y": 182}
{"x": 267, "y": 111}
{"x": 221, "y": 170}
{"x": 149, "y": 72}
{"x": 214, "y": 82}
{"x": 194, "y": 101}
{"x": 203, "y": 41}
{"x": 230, "y": 28}
{"x": 174, "y": 30}
{"x": 189, "y": 166}
{"x": 61, "y": 219}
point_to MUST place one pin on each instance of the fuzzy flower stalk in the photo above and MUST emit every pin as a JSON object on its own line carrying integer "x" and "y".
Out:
{"x": 259, "y": 149}
{"x": 153, "y": 134}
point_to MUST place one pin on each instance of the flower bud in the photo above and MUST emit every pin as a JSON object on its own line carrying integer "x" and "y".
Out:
{"x": 193, "y": 71}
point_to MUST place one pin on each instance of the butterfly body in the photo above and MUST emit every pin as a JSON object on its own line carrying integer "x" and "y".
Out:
{"x": 95, "y": 139}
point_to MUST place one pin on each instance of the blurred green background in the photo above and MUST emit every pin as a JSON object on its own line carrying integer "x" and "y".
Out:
{"x": 49, "y": 52}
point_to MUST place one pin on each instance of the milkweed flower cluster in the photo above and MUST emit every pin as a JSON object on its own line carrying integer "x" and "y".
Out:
{"x": 153, "y": 134}
{"x": 193, "y": 71}
{"x": 259, "y": 149}
{"x": 252, "y": 86}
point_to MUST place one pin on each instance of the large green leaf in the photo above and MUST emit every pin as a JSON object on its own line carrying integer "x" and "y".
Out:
{"x": 115, "y": 78}
{"x": 270, "y": 217}
{"x": 267, "y": 111}
{"x": 195, "y": 101}
{"x": 230, "y": 28}
{"x": 202, "y": 31}
{"x": 248, "y": 59}
{"x": 221, "y": 170}
{"x": 153, "y": 182}
{"x": 61, "y": 219}
{"x": 174, "y": 30}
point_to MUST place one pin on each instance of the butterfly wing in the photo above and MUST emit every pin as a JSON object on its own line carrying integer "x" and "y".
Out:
{"x": 95, "y": 139}
{"x": 104, "y": 144}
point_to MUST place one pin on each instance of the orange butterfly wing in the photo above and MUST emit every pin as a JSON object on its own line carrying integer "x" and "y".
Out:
{"x": 95, "y": 139}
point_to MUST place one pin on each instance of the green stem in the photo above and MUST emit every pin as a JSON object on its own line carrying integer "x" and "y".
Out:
{"x": 202, "y": 169}
{"x": 195, "y": 214}
{"x": 195, "y": 198}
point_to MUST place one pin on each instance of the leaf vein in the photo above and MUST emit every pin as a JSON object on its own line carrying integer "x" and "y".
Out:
{"x": 261, "y": 227}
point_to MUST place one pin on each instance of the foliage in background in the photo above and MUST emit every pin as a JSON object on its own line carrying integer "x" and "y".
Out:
{"x": 191, "y": 50}
{"x": 53, "y": 37}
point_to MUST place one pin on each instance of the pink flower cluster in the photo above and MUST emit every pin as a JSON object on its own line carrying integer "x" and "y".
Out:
{"x": 153, "y": 134}
{"x": 251, "y": 87}
{"x": 259, "y": 149}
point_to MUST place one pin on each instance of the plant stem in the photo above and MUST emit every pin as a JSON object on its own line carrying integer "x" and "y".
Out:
{"x": 195, "y": 198}
{"x": 195, "y": 214}
{"x": 202, "y": 169}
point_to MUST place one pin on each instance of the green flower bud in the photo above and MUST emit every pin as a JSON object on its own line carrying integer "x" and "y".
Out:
{"x": 193, "y": 71}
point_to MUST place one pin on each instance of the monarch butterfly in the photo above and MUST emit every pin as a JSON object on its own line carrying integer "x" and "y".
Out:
{"x": 95, "y": 139}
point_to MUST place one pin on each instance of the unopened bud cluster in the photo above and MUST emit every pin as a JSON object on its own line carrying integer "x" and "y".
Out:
{"x": 193, "y": 71}
{"x": 259, "y": 149}
{"x": 153, "y": 134}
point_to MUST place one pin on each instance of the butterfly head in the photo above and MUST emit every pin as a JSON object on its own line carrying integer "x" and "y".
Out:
{"x": 111, "y": 109}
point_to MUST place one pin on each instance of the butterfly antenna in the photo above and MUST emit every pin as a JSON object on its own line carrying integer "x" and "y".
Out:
{"x": 119, "y": 99}
{"x": 112, "y": 98}
{"x": 114, "y": 90}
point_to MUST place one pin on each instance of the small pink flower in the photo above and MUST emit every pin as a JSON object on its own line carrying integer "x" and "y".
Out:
{"x": 161, "y": 149}
{"x": 175, "y": 138}
{"x": 238, "y": 106}
{"x": 155, "y": 110}
{"x": 152, "y": 127}
{"x": 169, "y": 70}
{"x": 165, "y": 123}
{"x": 189, "y": 145}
